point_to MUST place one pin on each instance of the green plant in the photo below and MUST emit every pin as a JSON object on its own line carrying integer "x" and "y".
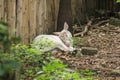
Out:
{"x": 5, "y": 40}
{"x": 8, "y": 65}
{"x": 118, "y": 1}
{"x": 29, "y": 61}
{"x": 87, "y": 74}
{"x": 55, "y": 70}
{"x": 49, "y": 68}
{"x": 75, "y": 40}
{"x": 79, "y": 42}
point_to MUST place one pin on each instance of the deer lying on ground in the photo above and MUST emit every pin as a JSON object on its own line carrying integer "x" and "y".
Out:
{"x": 61, "y": 40}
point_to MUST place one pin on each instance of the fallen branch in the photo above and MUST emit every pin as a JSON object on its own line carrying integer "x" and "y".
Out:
{"x": 85, "y": 30}
{"x": 100, "y": 23}
{"x": 117, "y": 31}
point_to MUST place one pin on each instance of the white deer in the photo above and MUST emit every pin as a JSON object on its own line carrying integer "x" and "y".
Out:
{"x": 61, "y": 40}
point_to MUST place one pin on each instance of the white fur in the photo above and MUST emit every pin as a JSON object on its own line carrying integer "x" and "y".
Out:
{"x": 56, "y": 43}
{"x": 62, "y": 41}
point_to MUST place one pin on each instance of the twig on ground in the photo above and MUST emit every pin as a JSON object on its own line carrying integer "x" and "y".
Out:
{"x": 85, "y": 30}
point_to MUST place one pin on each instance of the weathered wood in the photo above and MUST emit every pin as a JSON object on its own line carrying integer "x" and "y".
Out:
{"x": 47, "y": 13}
{"x": 89, "y": 50}
{"x": 100, "y": 23}
{"x": 77, "y": 13}
{"x": 56, "y": 6}
{"x": 19, "y": 19}
{"x": 11, "y": 17}
{"x": 29, "y": 18}
{"x": 50, "y": 15}
{"x": 52, "y": 8}
{"x": 92, "y": 4}
{"x": 25, "y": 27}
{"x": 65, "y": 14}
{"x": 32, "y": 19}
{"x": 1, "y": 10}
{"x": 40, "y": 16}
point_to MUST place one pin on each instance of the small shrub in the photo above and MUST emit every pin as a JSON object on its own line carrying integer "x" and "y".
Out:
{"x": 55, "y": 70}
{"x": 8, "y": 65}
{"x": 29, "y": 61}
{"x": 5, "y": 40}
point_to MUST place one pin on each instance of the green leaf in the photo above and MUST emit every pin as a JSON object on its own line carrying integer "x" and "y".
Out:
{"x": 2, "y": 71}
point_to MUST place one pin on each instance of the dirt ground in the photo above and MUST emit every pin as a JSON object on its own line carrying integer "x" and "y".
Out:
{"x": 106, "y": 63}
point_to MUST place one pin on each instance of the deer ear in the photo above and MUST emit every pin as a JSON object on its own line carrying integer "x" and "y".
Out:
{"x": 66, "y": 26}
{"x": 56, "y": 33}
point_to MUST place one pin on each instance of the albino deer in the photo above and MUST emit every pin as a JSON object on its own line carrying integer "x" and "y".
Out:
{"x": 61, "y": 40}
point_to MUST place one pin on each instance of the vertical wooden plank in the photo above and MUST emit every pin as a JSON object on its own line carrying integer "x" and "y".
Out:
{"x": 79, "y": 8}
{"x": 111, "y": 5}
{"x": 95, "y": 4}
{"x": 5, "y": 10}
{"x": 52, "y": 8}
{"x": 73, "y": 7}
{"x": 50, "y": 16}
{"x": 46, "y": 18}
{"x": 11, "y": 19}
{"x": 24, "y": 28}
{"x": 40, "y": 14}
{"x": 114, "y": 2}
{"x": 22, "y": 21}
{"x": 32, "y": 19}
{"x": 65, "y": 13}
{"x": 1, "y": 10}
{"x": 37, "y": 19}
{"x": 107, "y": 4}
{"x": 19, "y": 19}
{"x": 56, "y": 3}
{"x": 98, "y": 4}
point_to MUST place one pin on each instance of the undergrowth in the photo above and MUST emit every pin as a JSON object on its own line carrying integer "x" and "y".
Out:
{"x": 22, "y": 62}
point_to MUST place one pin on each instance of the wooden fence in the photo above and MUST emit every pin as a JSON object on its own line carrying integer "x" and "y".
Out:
{"x": 72, "y": 9}
{"x": 29, "y": 18}
{"x": 101, "y": 4}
